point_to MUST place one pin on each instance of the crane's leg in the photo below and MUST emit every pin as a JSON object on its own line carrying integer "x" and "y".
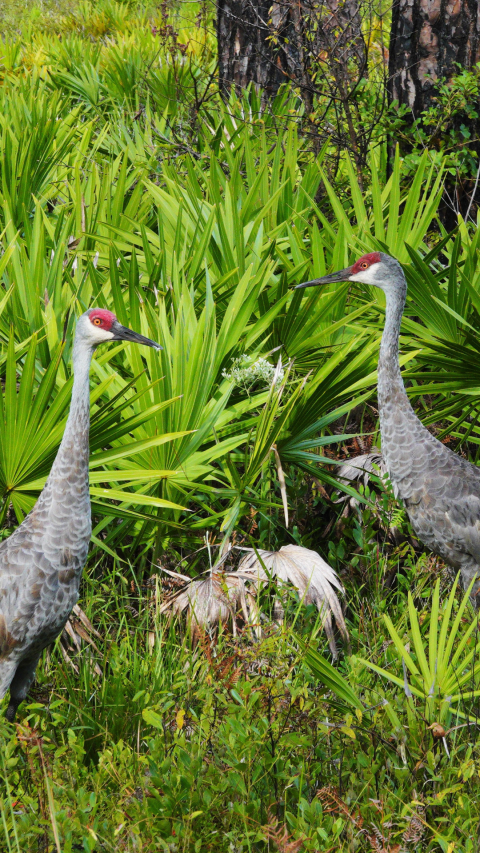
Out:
{"x": 21, "y": 683}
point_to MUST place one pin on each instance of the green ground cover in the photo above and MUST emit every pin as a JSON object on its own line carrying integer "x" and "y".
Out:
{"x": 126, "y": 181}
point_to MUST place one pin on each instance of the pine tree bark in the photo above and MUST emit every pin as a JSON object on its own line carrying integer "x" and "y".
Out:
{"x": 289, "y": 41}
{"x": 432, "y": 41}
{"x": 261, "y": 43}
{"x": 428, "y": 38}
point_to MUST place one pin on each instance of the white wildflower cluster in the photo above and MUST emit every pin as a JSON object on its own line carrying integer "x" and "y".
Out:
{"x": 245, "y": 372}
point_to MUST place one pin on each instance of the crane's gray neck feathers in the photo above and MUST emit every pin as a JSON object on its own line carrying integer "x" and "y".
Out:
{"x": 401, "y": 431}
{"x": 75, "y": 441}
{"x": 390, "y": 382}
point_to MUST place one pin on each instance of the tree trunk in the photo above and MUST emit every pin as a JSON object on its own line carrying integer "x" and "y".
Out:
{"x": 431, "y": 42}
{"x": 428, "y": 38}
{"x": 261, "y": 43}
{"x": 291, "y": 40}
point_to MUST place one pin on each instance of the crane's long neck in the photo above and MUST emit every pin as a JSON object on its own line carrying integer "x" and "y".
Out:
{"x": 391, "y": 390}
{"x": 402, "y": 432}
{"x": 63, "y": 508}
{"x": 73, "y": 452}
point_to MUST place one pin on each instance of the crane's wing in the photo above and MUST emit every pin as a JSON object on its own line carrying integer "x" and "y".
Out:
{"x": 40, "y": 568}
{"x": 464, "y": 517}
{"x": 23, "y": 572}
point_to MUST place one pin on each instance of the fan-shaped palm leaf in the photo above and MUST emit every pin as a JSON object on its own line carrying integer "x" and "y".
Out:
{"x": 218, "y": 596}
{"x": 209, "y": 601}
{"x": 308, "y": 572}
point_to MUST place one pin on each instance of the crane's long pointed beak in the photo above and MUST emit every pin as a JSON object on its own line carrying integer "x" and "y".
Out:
{"x": 341, "y": 275}
{"x": 121, "y": 333}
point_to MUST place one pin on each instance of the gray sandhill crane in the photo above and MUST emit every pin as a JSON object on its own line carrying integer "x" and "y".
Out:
{"x": 440, "y": 490}
{"x": 41, "y": 562}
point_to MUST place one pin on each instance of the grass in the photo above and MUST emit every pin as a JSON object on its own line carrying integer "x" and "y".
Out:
{"x": 231, "y": 745}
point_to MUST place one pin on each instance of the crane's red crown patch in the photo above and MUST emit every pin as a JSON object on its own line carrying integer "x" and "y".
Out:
{"x": 102, "y": 319}
{"x": 366, "y": 261}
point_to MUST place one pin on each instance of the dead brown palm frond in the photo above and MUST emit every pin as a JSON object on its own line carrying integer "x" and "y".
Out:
{"x": 380, "y": 844}
{"x": 78, "y": 628}
{"x": 415, "y": 831}
{"x": 333, "y": 804}
{"x": 224, "y": 667}
{"x": 308, "y": 572}
{"x": 209, "y": 601}
{"x": 82, "y": 616}
{"x": 218, "y": 596}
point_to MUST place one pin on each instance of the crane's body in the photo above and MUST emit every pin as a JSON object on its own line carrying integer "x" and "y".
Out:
{"x": 440, "y": 490}
{"x": 41, "y": 563}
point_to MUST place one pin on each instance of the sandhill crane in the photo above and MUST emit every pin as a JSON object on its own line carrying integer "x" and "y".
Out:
{"x": 440, "y": 490}
{"x": 41, "y": 562}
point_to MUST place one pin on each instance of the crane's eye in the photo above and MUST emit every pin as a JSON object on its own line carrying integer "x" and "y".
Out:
{"x": 97, "y": 321}
{"x": 364, "y": 265}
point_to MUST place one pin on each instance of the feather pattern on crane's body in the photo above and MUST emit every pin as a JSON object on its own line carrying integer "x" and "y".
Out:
{"x": 41, "y": 562}
{"x": 440, "y": 490}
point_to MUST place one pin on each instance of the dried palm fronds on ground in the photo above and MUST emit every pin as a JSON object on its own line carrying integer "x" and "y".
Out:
{"x": 219, "y": 596}
{"x": 308, "y": 572}
{"x": 379, "y": 841}
{"x": 280, "y": 836}
{"x": 210, "y": 600}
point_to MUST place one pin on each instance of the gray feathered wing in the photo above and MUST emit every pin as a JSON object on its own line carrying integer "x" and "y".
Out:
{"x": 464, "y": 517}
{"x": 21, "y": 578}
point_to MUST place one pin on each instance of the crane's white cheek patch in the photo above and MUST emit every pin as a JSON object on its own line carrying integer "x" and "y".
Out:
{"x": 366, "y": 276}
{"x": 99, "y": 335}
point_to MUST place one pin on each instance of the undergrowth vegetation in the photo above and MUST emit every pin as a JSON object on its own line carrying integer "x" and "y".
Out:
{"x": 126, "y": 182}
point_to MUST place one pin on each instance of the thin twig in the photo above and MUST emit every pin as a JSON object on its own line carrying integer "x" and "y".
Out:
{"x": 473, "y": 193}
